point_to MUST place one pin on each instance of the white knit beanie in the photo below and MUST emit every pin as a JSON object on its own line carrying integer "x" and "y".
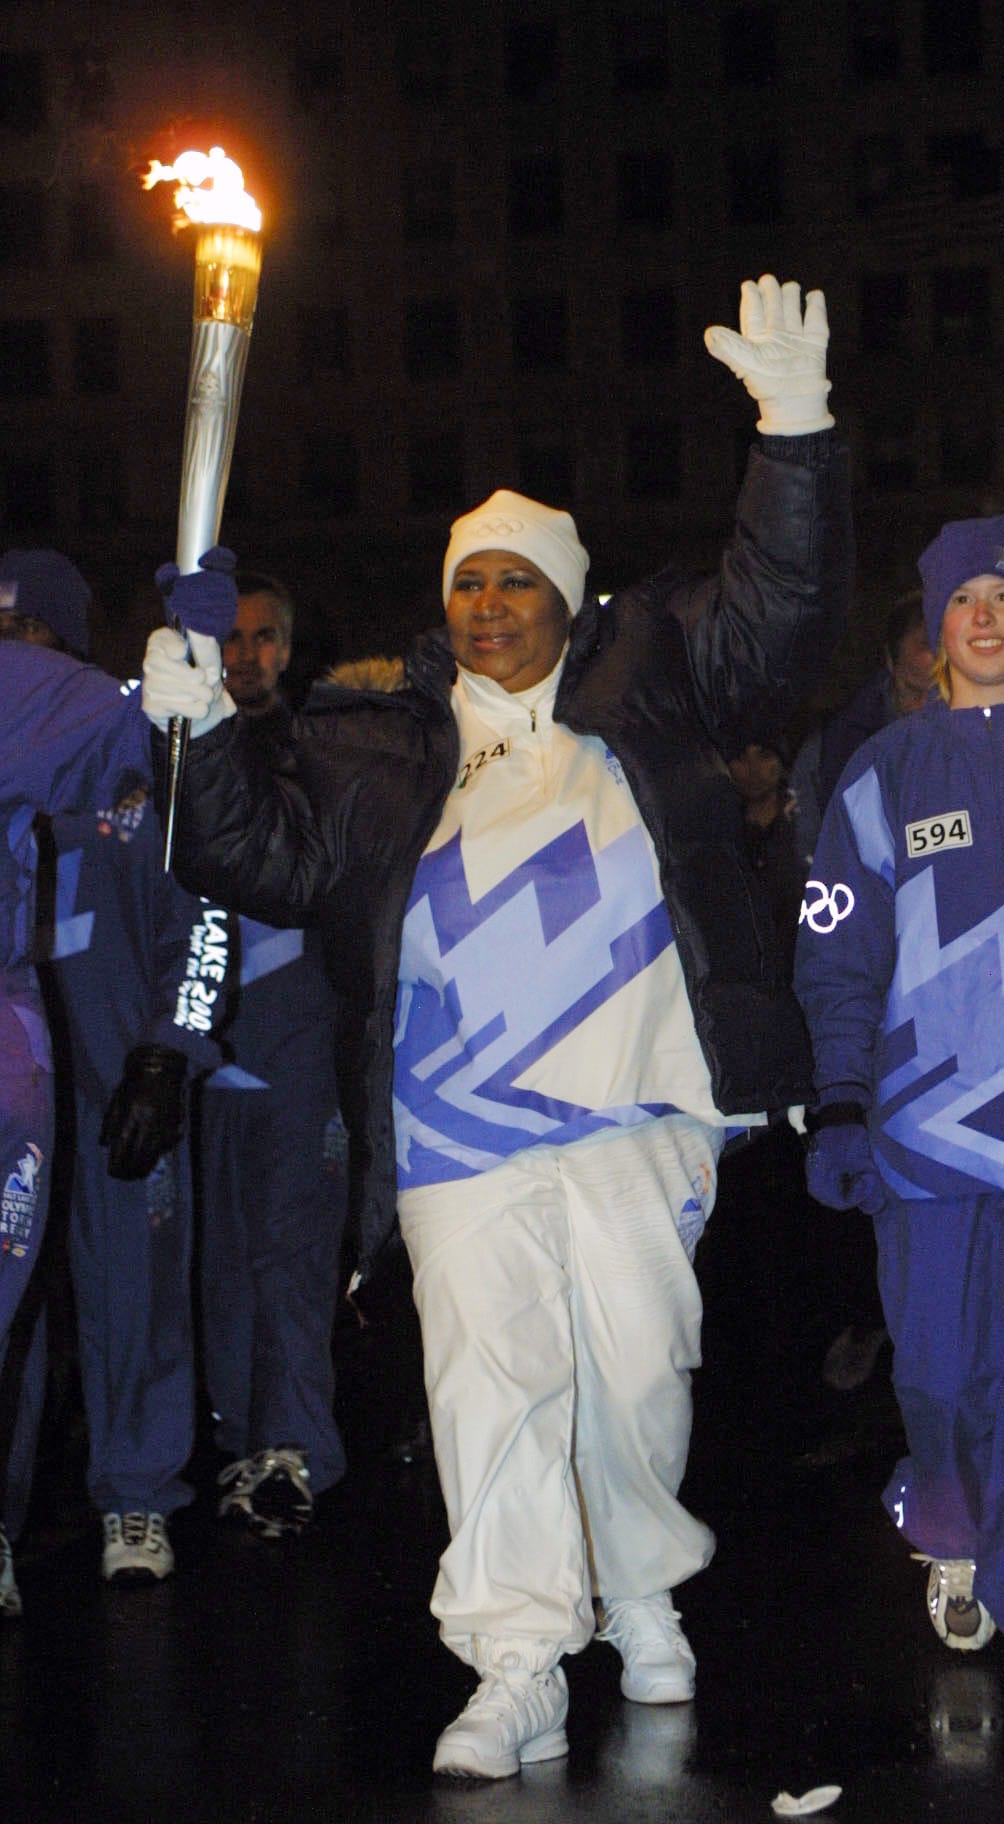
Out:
{"x": 511, "y": 522}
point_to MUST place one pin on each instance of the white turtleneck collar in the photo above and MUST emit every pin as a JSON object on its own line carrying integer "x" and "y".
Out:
{"x": 499, "y": 707}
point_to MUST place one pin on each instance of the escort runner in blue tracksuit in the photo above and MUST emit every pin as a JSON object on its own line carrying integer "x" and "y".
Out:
{"x": 272, "y": 1170}
{"x": 140, "y": 969}
{"x": 899, "y": 971}
{"x": 70, "y": 738}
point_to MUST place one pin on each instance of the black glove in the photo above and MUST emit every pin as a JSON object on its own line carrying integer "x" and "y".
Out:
{"x": 146, "y": 1116}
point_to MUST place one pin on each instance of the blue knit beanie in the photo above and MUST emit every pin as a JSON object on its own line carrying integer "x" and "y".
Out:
{"x": 46, "y": 586}
{"x": 963, "y": 548}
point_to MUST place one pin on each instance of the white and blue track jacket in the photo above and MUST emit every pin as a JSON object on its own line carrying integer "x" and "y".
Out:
{"x": 899, "y": 959}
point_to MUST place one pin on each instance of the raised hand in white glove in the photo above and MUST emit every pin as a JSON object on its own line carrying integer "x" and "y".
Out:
{"x": 173, "y": 687}
{"x": 779, "y": 355}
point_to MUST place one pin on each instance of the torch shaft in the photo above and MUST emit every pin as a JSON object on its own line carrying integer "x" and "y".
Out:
{"x": 227, "y": 263}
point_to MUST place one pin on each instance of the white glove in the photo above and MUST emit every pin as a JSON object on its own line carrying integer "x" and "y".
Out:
{"x": 779, "y": 356}
{"x": 173, "y": 687}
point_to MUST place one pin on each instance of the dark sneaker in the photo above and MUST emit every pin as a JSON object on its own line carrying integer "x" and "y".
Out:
{"x": 270, "y": 1493}
{"x": 10, "y": 1595}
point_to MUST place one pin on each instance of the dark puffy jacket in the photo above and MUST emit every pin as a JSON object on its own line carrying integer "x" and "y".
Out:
{"x": 671, "y": 674}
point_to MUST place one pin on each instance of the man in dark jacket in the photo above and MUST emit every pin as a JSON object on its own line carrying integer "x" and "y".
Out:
{"x": 271, "y": 1172}
{"x": 566, "y": 988}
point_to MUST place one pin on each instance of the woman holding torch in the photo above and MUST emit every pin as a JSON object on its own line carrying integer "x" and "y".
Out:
{"x": 529, "y": 863}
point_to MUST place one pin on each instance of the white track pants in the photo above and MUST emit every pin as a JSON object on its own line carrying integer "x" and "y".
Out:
{"x": 561, "y": 1322}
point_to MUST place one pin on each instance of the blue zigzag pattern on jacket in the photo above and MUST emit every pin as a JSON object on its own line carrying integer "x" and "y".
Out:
{"x": 582, "y": 925}
{"x": 943, "y": 1077}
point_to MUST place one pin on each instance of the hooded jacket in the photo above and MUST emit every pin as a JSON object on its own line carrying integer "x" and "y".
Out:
{"x": 671, "y": 674}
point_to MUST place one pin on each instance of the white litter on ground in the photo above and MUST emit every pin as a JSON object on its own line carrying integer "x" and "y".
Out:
{"x": 817, "y": 1800}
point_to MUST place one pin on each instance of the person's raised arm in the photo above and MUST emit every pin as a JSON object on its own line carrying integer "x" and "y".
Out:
{"x": 759, "y": 631}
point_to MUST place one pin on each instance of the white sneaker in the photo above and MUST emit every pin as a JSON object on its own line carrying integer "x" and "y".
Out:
{"x": 515, "y": 1717}
{"x": 956, "y": 1614}
{"x": 137, "y": 1549}
{"x": 10, "y": 1595}
{"x": 659, "y": 1663}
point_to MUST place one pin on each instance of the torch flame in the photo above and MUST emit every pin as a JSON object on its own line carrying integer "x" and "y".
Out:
{"x": 210, "y": 188}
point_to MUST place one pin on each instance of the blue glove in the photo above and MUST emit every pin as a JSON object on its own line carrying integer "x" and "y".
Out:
{"x": 840, "y": 1169}
{"x": 205, "y": 600}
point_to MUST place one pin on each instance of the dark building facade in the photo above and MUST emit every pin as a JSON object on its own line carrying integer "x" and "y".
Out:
{"x": 494, "y": 233}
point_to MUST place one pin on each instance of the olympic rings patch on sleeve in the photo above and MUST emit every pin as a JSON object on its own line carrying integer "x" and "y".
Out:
{"x": 829, "y": 906}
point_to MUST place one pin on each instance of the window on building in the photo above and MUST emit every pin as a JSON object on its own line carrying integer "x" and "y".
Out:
{"x": 652, "y": 459}
{"x": 640, "y": 48}
{"x": 92, "y": 234}
{"x": 742, "y": 439}
{"x": 960, "y": 310}
{"x": 430, "y": 209}
{"x": 878, "y": 170}
{"x": 890, "y": 458}
{"x": 101, "y": 494}
{"x": 244, "y": 497}
{"x": 756, "y": 190}
{"x": 330, "y": 232}
{"x": 432, "y": 338}
{"x": 545, "y": 462}
{"x": 323, "y": 343}
{"x": 975, "y": 167}
{"x": 317, "y": 76}
{"x": 91, "y": 90}
{"x": 874, "y": 48}
{"x": 649, "y": 327}
{"x": 28, "y": 495}
{"x": 329, "y": 473}
{"x": 540, "y": 331}
{"x": 23, "y": 106}
{"x": 749, "y": 46}
{"x": 953, "y": 37}
{"x": 424, "y": 53}
{"x": 967, "y": 447}
{"x": 25, "y": 358}
{"x": 532, "y": 59}
{"x": 535, "y": 199}
{"x": 645, "y": 189}
{"x": 884, "y": 312}
{"x": 96, "y": 343}
{"x": 23, "y": 214}
{"x": 435, "y": 470}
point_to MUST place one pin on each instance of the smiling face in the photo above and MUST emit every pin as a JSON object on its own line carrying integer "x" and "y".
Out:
{"x": 505, "y": 619}
{"x": 972, "y": 639}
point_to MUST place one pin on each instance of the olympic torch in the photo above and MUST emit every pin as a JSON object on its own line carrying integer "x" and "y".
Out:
{"x": 212, "y": 197}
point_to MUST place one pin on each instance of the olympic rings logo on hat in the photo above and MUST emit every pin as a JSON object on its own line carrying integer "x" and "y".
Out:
{"x": 837, "y": 902}
{"x": 502, "y": 525}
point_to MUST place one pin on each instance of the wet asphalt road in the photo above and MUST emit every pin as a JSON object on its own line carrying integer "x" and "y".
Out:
{"x": 304, "y": 1682}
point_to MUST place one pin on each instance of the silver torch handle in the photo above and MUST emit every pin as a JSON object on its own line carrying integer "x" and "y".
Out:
{"x": 227, "y": 267}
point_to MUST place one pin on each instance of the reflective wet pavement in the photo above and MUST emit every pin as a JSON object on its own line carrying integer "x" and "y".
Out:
{"x": 306, "y": 1683}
